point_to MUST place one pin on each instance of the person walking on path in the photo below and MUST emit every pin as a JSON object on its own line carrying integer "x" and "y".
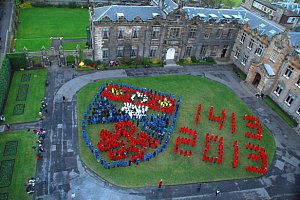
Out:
{"x": 217, "y": 192}
{"x": 64, "y": 99}
{"x": 160, "y": 183}
{"x": 8, "y": 127}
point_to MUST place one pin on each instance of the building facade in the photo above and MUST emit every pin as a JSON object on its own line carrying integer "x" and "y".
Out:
{"x": 266, "y": 51}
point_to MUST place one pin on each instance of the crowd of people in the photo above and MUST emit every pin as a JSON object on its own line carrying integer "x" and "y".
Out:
{"x": 262, "y": 156}
{"x": 41, "y": 133}
{"x": 218, "y": 159}
{"x": 134, "y": 146}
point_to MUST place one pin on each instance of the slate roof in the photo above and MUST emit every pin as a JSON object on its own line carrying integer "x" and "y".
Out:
{"x": 129, "y": 12}
{"x": 294, "y": 38}
{"x": 295, "y": 7}
{"x": 263, "y": 26}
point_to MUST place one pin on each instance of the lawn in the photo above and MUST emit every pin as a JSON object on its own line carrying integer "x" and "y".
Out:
{"x": 40, "y": 24}
{"x": 23, "y": 161}
{"x": 176, "y": 169}
{"x": 24, "y": 99}
{"x": 284, "y": 116}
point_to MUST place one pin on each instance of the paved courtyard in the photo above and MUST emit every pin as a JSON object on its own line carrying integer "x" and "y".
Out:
{"x": 61, "y": 173}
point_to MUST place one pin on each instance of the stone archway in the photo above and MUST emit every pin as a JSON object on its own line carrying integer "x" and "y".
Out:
{"x": 256, "y": 79}
{"x": 170, "y": 54}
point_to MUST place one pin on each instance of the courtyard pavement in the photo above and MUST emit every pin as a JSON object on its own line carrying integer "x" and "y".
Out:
{"x": 61, "y": 173}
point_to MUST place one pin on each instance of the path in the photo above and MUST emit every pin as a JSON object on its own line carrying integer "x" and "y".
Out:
{"x": 61, "y": 172}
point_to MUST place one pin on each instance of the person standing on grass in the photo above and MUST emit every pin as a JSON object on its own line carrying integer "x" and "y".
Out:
{"x": 160, "y": 183}
{"x": 8, "y": 127}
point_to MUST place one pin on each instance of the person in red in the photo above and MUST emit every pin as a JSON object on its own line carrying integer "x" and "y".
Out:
{"x": 160, "y": 183}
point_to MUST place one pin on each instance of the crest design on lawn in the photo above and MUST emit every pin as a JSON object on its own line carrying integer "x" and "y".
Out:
{"x": 143, "y": 121}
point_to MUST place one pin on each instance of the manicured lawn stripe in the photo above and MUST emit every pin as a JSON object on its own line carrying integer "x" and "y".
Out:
{"x": 36, "y": 92}
{"x": 24, "y": 165}
{"x": 175, "y": 169}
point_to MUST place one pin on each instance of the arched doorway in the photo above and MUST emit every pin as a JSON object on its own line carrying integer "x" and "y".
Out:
{"x": 256, "y": 79}
{"x": 170, "y": 54}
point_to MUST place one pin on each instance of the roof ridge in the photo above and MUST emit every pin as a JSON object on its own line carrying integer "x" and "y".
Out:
{"x": 104, "y": 12}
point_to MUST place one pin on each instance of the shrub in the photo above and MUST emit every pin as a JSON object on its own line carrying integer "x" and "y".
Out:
{"x": 5, "y": 77}
{"x": 147, "y": 61}
{"x": 25, "y": 5}
{"x": 88, "y": 62}
{"x": 72, "y": 5}
{"x": 155, "y": 61}
{"x": 188, "y": 60}
{"x": 210, "y": 59}
{"x": 98, "y": 62}
{"x": 194, "y": 59}
{"x": 139, "y": 60}
{"x": 125, "y": 61}
{"x": 17, "y": 60}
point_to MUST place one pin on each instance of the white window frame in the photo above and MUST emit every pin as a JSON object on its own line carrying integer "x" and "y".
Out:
{"x": 298, "y": 110}
{"x": 245, "y": 59}
{"x": 121, "y": 32}
{"x": 289, "y": 99}
{"x": 251, "y": 43}
{"x": 274, "y": 55}
{"x": 278, "y": 90}
{"x": 243, "y": 38}
{"x": 298, "y": 82}
{"x": 192, "y": 33}
{"x": 259, "y": 50}
{"x": 153, "y": 52}
{"x": 237, "y": 54}
{"x": 188, "y": 51}
{"x": 120, "y": 52}
{"x": 135, "y": 51}
{"x": 135, "y": 32}
{"x": 288, "y": 72}
{"x": 105, "y": 32}
{"x": 155, "y": 32}
{"x": 104, "y": 55}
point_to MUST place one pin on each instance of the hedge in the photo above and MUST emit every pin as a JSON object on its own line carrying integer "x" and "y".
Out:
{"x": 5, "y": 76}
{"x": 17, "y": 61}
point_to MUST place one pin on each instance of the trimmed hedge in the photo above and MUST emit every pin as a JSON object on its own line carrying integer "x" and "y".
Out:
{"x": 5, "y": 76}
{"x": 17, "y": 61}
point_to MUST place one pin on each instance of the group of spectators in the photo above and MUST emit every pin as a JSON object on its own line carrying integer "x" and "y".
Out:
{"x": 40, "y": 142}
{"x": 43, "y": 108}
{"x": 136, "y": 146}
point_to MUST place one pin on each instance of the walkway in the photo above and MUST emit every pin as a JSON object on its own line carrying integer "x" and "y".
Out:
{"x": 61, "y": 172}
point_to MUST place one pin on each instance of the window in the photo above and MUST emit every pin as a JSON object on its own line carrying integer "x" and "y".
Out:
{"x": 230, "y": 34}
{"x": 273, "y": 56}
{"x": 192, "y": 33}
{"x": 174, "y": 32}
{"x": 105, "y": 53}
{"x": 278, "y": 90}
{"x": 259, "y": 50}
{"x": 251, "y": 44}
{"x": 244, "y": 35}
{"x": 288, "y": 72}
{"x": 237, "y": 54}
{"x": 289, "y": 100}
{"x": 207, "y": 34}
{"x": 188, "y": 51}
{"x": 133, "y": 52}
{"x": 105, "y": 33}
{"x": 298, "y": 111}
{"x": 155, "y": 32}
{"x": 244, "y": 61}
{"x": 214, "y": 50}
{"x": 203, "y": 50}
{"x": 121, "y": 33}
{"x": 219, "y": 33}
{"x": 120, "y": 52}
{"x": 153, "y": 52}
{"x": 292, "y": 19}
{"x": 298, "y": 82}
{"x": 135, "y": 32}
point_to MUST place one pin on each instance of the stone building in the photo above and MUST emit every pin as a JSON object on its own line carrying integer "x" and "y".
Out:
{"x": 168, "y": 31}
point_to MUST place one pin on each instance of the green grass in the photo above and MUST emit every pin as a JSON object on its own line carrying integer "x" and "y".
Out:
{"x": 175, "y": 169}
{"x": 72, "y": 45}
{"x": 35, "y": 93}
{"x": 42, "y": 23}
{"x": 33, "y": 44}
{"x": 239, "y": 72}
{"x": 25, "y": 162}
{"x": 232, "y": 3}
{"x": 290, "y": 121}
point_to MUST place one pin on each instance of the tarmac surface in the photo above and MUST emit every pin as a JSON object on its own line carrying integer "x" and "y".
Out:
{"x": 62, "y": 175}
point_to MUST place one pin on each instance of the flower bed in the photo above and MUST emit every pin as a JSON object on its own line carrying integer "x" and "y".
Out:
{"x": 19, "y": 109}
{"x": 10, "y": 148}
{"x": 22, "y": 92}
{"x": 6, "y": 172}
